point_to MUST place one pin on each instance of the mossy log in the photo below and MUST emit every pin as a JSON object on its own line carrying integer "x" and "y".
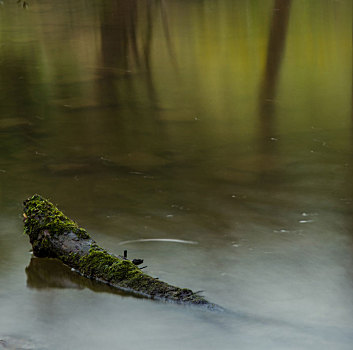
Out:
{"x": 54, "y": 235}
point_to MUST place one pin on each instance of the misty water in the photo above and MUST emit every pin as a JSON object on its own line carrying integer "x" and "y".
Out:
{"x": 211, "y": 138}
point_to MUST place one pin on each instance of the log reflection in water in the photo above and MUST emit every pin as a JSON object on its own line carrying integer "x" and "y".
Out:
{"x": 45, "y": 273}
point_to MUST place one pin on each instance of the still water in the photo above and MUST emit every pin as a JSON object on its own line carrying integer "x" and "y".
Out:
{"x": 211, "y": 138}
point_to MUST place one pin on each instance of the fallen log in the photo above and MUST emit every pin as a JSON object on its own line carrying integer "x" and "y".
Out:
{"x": 54, "y": 235}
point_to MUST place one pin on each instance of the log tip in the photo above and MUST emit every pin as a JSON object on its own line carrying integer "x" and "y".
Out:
{"x": 40, "y": 215}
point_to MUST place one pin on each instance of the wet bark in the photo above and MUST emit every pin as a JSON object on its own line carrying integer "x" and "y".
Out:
{"x": 53, "y": 235}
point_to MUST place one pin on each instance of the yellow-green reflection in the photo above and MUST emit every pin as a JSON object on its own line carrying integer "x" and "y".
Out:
{"x": 223, "y": 122}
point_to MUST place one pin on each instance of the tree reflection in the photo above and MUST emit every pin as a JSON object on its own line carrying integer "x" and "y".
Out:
{"x": 127, "y": 33}
{"x": 268, "y": 87}
{"x": 275, "y": 52}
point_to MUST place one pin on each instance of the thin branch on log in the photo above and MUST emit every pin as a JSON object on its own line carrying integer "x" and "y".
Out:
{"x": 54, "y": 235}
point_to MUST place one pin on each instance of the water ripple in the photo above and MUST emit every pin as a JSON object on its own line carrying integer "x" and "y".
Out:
{"x": 172, "y": 240}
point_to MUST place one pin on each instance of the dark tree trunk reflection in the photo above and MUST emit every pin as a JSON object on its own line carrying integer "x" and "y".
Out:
{"x": 275, "y": 52}
{"x": 127, "y": 37}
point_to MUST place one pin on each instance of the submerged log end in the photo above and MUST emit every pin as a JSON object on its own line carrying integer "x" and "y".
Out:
{"x": 54, "y": 235}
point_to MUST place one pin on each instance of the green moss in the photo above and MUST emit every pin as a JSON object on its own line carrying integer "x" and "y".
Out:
{"x": 72, "y": 259}
{"x": 100, "y": 264}
{"x": 41, "y": 215}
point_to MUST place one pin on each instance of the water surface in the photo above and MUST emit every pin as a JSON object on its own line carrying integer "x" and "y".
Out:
{"x": 223, "y": 123}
